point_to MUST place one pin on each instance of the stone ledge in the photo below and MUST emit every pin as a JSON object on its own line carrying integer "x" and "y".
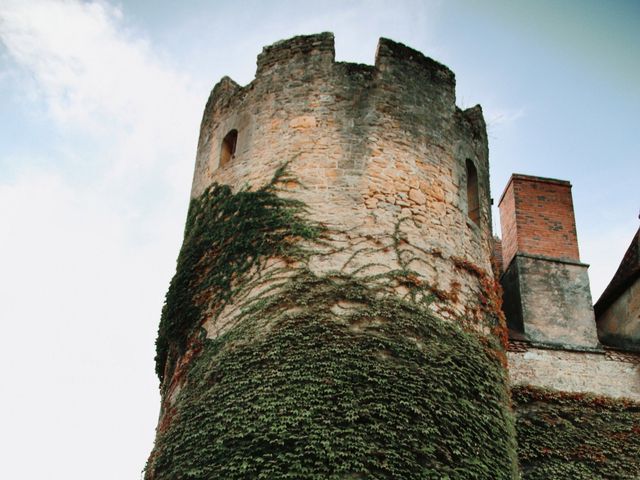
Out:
{"x": 599, "y": 373}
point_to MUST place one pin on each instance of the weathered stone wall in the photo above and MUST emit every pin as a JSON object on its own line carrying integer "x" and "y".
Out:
{"x": 549, "y": 301}
{"x": 619, "y": 324}
{"x": 337, "y": 318}
{"x": 374, "y": 147}
{"x": 607, "y": 373}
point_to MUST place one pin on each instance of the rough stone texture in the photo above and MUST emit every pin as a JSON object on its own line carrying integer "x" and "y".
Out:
{"x": 512, "y": 301}
{"x": 611, "y": 373}
{"x": 380, "y": 153}
{"x": 370, "y": 145}
{"x": 549, "y": 301}
{"x": 379, "y": 156}
{"x": 619, "y": 324}
{"x": 536, "y": 215}
{"x": 618, "y": 308}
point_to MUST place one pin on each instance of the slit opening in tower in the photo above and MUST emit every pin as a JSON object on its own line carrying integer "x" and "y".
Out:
{"x": 228, "y": 149}
{"x": 473, "y": 201}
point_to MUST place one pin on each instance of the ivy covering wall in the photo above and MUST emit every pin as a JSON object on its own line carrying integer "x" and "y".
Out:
{"x": 330, "y": 376}
{"x": 567, "y": 436}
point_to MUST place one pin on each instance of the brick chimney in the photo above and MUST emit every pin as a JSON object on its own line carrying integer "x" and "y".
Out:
{"x": 547, "y": 298}
{"x": 496, "y": 256}
{"x": 537, "y": 218}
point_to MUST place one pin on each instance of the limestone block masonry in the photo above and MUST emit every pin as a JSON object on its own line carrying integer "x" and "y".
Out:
{"x": 618, "y": 309}
{"x": 335, "y": 312}
{"x": 549, "y": 301}
{"x": 609, "y": 373}
{"x": 372, "y": 349}
{"x": 372, "y": 146}
{"x": 619, "y": 324}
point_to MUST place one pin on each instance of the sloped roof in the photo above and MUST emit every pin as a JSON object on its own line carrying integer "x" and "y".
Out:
{"x": 626, "y": 274}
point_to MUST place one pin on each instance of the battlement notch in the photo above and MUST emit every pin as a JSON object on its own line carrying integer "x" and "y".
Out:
{"x": 318, "y": 48}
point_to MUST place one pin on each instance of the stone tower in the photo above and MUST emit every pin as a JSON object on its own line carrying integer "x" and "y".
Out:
{"x": 334, "y": 313}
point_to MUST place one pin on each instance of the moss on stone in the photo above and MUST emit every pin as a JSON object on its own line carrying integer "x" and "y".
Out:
{"x": 385, "y": 391}
{"x": 227, "y": 236}
{"x": 321, "y": 376}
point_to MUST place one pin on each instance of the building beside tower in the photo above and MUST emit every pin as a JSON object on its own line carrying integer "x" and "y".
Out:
{"x": 618, "y": 309}
{"x": 336, "y": 312}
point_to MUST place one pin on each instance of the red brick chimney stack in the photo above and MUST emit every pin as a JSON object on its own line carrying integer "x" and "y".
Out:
{"x": 536, "y": 215}
{"x": 546, "y": 287}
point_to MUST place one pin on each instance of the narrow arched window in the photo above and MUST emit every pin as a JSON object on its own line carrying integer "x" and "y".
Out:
{"x": 228, "y": 149}
{"x": 473, "y": 201}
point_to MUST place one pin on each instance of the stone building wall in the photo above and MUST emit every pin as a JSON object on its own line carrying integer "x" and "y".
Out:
{"x": 619, "y": 323}
{"x": 607, "y": 373}
{"x": 618, "y": 309}
{"x": 549, "y": 301}
{"x": 375, "y": 148}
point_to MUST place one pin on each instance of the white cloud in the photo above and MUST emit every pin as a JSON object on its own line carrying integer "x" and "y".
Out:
{"x": 99, "y": 78}
{"x": 503, "y": 116}
{"x": 80, "y": 306}
{"x": 90, "y": 237}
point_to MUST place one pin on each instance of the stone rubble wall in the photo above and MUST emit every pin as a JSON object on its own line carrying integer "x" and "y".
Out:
{"x": 609, "y": 373}
{"x": 619, "y": 324}
{"x": 375, "y": 148}
{"x": 549, "y": 301}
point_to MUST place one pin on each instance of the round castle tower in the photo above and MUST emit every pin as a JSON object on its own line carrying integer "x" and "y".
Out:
{"x": 369, "y": 144}
{"x": 334, "y": 311}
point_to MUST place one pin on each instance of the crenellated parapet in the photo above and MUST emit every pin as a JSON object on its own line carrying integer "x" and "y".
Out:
{"x": 340, "y": 229}
{"x": 301, "y": 74}
{"x": 372, "y": 145}
{"x": 311, "y": 50}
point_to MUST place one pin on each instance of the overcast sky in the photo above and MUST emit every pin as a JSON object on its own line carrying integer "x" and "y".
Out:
{"x": 100, "y": 104}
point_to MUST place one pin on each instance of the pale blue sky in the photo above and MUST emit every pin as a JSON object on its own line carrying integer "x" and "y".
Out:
{"x": 100, "y": 104}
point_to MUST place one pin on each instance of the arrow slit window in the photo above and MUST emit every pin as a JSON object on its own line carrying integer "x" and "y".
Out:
{"x": 473, "y": 201}
{"x": 228, "y": 149}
